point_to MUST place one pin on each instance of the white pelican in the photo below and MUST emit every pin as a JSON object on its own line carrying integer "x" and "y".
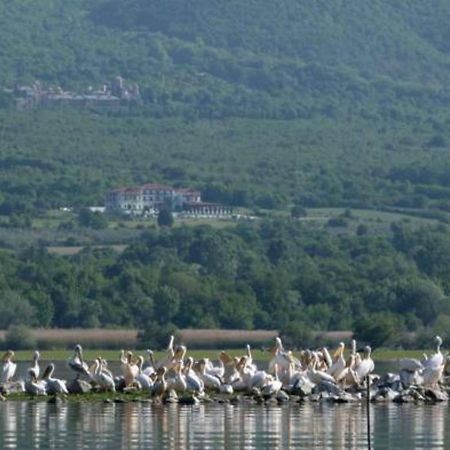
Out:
{"x": 338, "y": 365}
{"x": 160, "y": 384}
{"x": 130, "y": 369}
{"x": 77, "y": 364}
{"x": 348, "y": 376}
{"x": 410, "y": 364}
{"x": 178, "y": 381}
{"x": 170, "y": 353}
{"x": 102, "y": 376}
{"x": 236, "y": 378}
{"x": 149, "y": 366}
{"x": 366, "y": 365}
{"x": 210, "y": 381}
{"x": 280, "y": 358}
{"x": 272, "y": 385}
{"x": 9, "y": 367}
{"x": 144, "y": 380}
{"x": 218, "y": 371}
{"x": 33, "y": 386}
{"x": 437, "y": 359}
{"x": 326, "y": 356}
{"x": 432, "y": 375}
{"x": 53, "y": 385}
{"x": 35, "y": 367}
{"x": 193, "y": 381}
{"x": 317, "y": 376}
{"x": 229, "y": 365}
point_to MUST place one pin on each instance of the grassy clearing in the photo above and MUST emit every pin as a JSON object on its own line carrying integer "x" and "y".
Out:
{"x": 258, "y": 355}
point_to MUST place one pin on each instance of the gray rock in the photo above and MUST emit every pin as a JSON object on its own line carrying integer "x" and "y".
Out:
{"x": 170, "y": 397}
{"x": 188, "y": 400}
{"x": 79, "y": 387}
{"x": 302, "y": 388}
{"x": 328, "y": 387}
{"x": 436, "y": 395}
{"x": 403, "y": 398}
{"x": 388, "y": 379}
{"x": 282, "y": 397}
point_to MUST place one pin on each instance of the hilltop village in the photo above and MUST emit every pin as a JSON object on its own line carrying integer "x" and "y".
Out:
{"x": 110, "y": 96}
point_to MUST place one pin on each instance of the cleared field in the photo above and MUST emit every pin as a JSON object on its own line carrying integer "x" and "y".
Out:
{"x": 69, "y": 250}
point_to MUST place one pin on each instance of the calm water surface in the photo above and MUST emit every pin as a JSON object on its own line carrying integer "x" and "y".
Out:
{"x": 40, "y": 425}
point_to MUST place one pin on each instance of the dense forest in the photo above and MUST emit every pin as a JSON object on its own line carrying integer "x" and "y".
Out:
{"x": 258, "y": 104}
{"x": 262, "y": 105}
{"x": 280, "y": 274}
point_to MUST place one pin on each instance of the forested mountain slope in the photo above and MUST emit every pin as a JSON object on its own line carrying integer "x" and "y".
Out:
{"x": 267, "y": 103}
{"x": 260, "y": 104}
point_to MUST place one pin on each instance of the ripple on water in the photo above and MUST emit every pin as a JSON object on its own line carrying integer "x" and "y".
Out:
{"x": 33, "y": 425}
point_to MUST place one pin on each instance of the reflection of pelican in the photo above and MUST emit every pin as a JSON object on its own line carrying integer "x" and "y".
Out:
{"x": 53, "y": 385}
{"x": 9, "y": 367}
{"x": 33, "y": 386}
{"x": 77, "y": 364}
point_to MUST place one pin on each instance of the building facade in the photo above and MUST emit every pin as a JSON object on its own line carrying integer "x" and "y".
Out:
{"x": 149, "y": 198}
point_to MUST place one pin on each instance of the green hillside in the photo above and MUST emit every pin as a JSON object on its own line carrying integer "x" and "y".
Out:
{"x": 265, "y": 105}
{"x": 257, "y": 103}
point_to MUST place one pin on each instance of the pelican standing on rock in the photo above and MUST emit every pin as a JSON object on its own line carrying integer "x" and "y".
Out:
{"x": 9, "y": 367}
{"x": 33, "y": 386}
{"x": 437, "y": 359}
{"x": 77, "y": 364}
{"x": 53, "y": 385}
{"x": 35, "y": 367}
{"x": 366, "y": 366}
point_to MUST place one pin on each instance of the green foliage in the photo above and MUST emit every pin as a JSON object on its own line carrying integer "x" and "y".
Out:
{"x": 283, "y": 274}
{"x": 155, "y": 335}
{"x": 258, "y": 104}
{"x": 165, "y": 218}
{"x": 19, "y": 337}
{"x": 378, "y": 329}
{"x": 95, "y": 220}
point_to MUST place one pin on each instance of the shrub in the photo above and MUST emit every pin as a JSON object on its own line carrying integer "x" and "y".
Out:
{"x": 19, "y": 337}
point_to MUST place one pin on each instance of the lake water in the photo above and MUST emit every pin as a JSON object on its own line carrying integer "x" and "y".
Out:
{"x": 40, "y": 425}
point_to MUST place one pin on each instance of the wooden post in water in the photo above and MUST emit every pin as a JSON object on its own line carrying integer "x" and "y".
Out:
{"x": 369, "y": 444}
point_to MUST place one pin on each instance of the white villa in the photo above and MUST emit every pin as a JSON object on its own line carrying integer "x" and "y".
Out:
{"x": 149, "y": 198}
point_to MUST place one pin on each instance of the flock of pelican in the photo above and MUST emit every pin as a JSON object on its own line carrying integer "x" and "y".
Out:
{"x": 311, "y": 372}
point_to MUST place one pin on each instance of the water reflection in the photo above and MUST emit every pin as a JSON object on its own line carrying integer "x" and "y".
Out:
{"x": 37, "y": 425}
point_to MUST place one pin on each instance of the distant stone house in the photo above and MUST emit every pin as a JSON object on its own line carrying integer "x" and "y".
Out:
{"x": 149, "y": 198}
